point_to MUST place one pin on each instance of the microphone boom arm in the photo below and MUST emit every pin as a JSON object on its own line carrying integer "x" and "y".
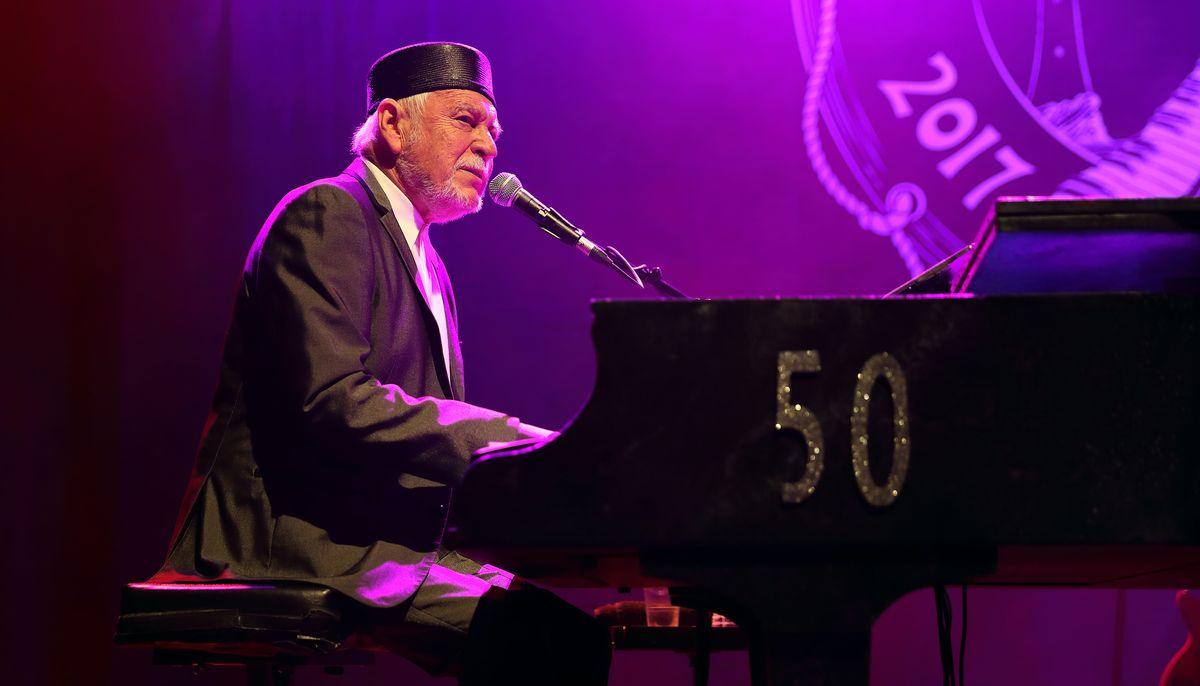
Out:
{"x": 506, "y": 190}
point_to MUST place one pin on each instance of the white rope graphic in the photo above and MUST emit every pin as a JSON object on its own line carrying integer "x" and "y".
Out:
{"x": 904, "y": 203}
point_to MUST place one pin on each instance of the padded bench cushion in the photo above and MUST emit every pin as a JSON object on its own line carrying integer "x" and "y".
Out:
{"x": 236, "y": 618}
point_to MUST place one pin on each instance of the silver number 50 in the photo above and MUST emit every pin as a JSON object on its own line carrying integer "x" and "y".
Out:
{"x": 799, "y": 418}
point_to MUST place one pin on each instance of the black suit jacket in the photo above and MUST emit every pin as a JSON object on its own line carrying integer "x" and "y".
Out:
{"x": 336, "y": 432}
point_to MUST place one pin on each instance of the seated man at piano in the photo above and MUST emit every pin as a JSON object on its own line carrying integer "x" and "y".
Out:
{"x": 338, "y": 429}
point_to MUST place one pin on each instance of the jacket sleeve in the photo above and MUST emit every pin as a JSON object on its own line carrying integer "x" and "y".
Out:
{"x": 311, "y": 284}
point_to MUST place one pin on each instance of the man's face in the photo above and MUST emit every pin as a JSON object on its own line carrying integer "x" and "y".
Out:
{"x": 447, "y": 161}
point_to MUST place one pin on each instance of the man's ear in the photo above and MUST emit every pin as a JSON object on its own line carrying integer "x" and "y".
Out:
{"x": 394, "y": 125}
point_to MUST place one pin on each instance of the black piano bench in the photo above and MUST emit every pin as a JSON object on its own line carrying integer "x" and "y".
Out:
{"x": 269, "y": 629}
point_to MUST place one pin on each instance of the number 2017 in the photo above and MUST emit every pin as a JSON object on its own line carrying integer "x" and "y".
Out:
{"x": 964, "y": 118}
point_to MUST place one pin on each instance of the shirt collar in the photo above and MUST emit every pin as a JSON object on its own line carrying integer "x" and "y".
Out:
{"x": 415, "y": 230}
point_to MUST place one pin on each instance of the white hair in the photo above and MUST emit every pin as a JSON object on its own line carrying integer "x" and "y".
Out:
{"x": 414, "y": 105}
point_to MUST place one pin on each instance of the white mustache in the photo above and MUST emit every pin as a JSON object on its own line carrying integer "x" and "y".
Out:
{"x": 479, "y": 167}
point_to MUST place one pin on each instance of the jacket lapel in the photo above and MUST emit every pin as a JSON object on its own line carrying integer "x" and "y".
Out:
{"x": 387, "y": 219}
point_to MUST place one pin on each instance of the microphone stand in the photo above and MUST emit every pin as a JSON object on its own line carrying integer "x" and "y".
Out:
{"x": 642, "y": 275}
{"x": 611, "y": 257}
{"x": 653, "y": 276}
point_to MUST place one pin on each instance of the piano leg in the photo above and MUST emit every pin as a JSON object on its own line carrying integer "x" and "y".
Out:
{"x": 809, "y": 620}
{"x": 703, "y": 650}
{"x": 781, "y": 658}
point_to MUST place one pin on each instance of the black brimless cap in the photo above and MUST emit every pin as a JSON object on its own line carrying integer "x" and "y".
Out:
{"x": 428, "y": 67}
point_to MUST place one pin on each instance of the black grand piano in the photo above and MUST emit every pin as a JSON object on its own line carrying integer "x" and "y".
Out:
{"x": 801, "y": 464}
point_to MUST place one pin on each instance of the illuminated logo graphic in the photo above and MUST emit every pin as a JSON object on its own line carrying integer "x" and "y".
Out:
{"x": 918, "y": 115}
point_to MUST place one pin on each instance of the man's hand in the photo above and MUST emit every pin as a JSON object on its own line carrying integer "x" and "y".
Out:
{"x": 531, "y": 431}
{"x": 530, "y": 436}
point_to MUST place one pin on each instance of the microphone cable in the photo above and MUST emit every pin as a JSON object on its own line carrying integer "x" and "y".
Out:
{"x": 945, "y": 626}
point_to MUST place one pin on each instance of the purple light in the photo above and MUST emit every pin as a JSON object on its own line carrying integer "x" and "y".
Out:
{"x": 215, "y": 586}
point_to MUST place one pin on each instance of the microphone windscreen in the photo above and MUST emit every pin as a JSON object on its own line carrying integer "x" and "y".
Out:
{"x": 503, "y": 188}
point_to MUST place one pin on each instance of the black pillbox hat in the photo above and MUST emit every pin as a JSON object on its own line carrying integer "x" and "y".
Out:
{"x": 428, "y": 67}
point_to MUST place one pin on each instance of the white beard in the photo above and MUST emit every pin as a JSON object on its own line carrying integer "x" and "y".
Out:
{"x": 446, "y": 202}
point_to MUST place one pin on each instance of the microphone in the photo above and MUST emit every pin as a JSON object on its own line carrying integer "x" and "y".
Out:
{"x": 506, "y": 191}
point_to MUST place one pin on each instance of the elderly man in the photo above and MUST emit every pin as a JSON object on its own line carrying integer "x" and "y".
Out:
{"x": 338, "y": 427}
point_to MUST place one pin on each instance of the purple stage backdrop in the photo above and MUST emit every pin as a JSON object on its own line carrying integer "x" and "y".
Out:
{"x": 774, "y": 147}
